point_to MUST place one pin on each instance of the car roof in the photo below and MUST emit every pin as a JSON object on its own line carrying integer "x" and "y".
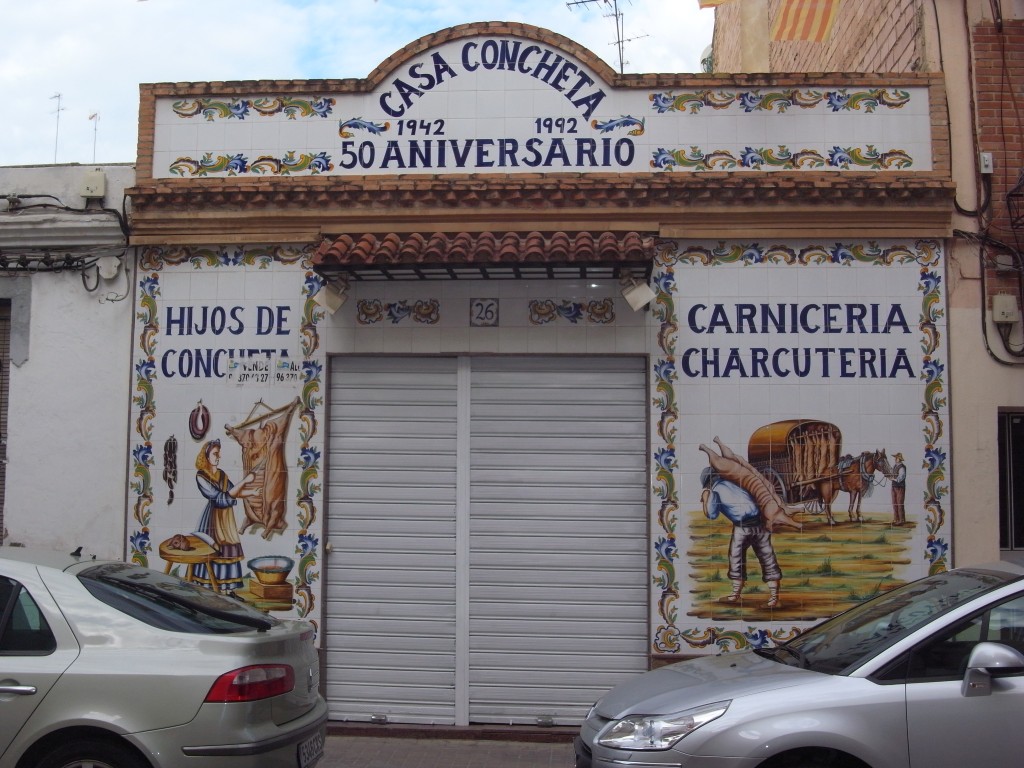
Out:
{"x": 44, "y": 557}
{"x": 1004, "y": 566}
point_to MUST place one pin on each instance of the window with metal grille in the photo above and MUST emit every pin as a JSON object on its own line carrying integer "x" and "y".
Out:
{"x": 5, "y": 379}
{"x": 1011, "y": 480}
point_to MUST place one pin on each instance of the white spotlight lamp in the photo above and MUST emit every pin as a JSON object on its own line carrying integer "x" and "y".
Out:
{"x": 636, "y": 292}
{"x": 330, "y": 297}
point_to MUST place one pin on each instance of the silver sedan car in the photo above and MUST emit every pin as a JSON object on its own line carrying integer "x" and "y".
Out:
{"x": 110, "y": 665}
{"x": 929, "y": 675}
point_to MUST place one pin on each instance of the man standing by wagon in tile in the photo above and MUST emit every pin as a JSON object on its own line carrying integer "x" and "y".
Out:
{"x": 899, "y": 490}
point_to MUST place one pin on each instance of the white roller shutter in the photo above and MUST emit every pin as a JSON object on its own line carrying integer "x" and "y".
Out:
{"x": 558, "y": 565}
{"x": 390, "y": 625}
{"x": 488, "y": 523}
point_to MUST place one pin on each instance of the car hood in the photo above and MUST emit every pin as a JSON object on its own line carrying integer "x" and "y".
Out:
{"x": 699, "y": 681}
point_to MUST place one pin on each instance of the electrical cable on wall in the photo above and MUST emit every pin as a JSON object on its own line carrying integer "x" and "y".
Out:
{"x": 994, "y": 254}
{"x": 15, "y": 206}
{"x": 985, "y": 196}
{"x": 986, "y": 245}
{"x": 83, "y": 259}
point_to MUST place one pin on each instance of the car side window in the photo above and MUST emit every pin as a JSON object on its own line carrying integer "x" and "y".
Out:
{"x": 23, "y": 628}
{"x": 1006, "y": 625}
{"x": 944, "y": 657}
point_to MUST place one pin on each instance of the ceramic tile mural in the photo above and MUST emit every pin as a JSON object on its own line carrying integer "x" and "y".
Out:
{"x": 503, "y": 317}
{"x": 227, "y": 442}
{"x": 820, "y": 365}
{"x": 599, "y": 311}
{"x": 229, "y": 397}
{"x": 541, "y": 312}
{"x": 800, "y": 447}
{"x": 510, "y": 105}
{"x": 373, "y": 311}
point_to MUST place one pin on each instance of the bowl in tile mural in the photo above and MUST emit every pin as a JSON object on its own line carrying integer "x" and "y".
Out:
{"x": 272, "y": 569}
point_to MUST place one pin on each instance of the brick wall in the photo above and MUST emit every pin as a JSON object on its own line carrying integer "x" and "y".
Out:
{"x": 999, "y": 95}
{"x": 725, "y": 44}
{"x": 868, "y": 36}
{"x": 999, "y": 98}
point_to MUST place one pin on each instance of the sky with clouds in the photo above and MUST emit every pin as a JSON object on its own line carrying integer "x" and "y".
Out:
{"x": 94, "y": 53}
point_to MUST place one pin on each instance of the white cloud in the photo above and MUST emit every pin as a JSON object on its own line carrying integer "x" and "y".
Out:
{"x": 96, "y": 53}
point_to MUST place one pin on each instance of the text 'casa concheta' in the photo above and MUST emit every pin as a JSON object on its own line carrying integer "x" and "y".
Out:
{"x": 542, "y": 64}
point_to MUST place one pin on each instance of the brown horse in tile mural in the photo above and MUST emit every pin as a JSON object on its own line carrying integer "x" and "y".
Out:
{"x": 856, "y": 476}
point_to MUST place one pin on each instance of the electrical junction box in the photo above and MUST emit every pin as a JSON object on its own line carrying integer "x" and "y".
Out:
{"x": 1005, "y": 309}
{"x": 94, "y": 184}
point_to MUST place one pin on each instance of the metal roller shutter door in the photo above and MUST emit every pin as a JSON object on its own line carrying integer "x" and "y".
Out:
{"x": 558, "y": 568}
{"x": 390, "y": 614}
{"x": 488, "y": 521}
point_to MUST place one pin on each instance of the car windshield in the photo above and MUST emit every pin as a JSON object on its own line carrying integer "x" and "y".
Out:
{"x": 167, "y": 602}
{"x": 842, "y": 643}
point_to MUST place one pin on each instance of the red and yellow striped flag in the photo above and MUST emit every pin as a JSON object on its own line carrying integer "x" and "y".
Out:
{"x": 805, "y": 20}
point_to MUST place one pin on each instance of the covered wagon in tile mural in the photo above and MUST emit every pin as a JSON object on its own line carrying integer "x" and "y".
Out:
{"x": 803, "y": 460}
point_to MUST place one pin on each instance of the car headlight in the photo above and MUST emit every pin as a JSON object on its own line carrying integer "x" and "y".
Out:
{"x": 659, "y": 731}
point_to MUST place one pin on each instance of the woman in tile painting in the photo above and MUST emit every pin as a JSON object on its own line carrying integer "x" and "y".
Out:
{"x": 218, "y": 519}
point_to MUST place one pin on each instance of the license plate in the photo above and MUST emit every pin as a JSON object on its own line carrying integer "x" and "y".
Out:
{"x": 311, "y": 750}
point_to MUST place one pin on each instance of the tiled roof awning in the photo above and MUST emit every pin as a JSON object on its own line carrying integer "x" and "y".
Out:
{"x": 485, "y": 255}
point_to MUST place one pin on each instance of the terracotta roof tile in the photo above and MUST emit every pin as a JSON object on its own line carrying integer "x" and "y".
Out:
{"x": 491, "y": 253}
{"x": 635, "y": 191}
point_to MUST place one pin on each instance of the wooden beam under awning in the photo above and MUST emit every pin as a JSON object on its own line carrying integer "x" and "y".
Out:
{"x": 851, "y": 221}
{"x": 696, "y": 206}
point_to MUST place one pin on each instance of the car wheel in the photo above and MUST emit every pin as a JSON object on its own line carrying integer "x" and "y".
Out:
{"x": 91, "y": 753}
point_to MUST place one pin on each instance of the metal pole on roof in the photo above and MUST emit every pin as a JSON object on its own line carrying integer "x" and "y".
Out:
{"x": 56, "y": 135}
{"x": 95, "y": 117}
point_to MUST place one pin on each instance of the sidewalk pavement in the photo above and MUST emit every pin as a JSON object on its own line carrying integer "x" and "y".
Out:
{"x": 355, "y": 749}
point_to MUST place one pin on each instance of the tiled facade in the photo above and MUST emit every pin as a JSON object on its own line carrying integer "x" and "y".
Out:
{"x": 821, "y": 168}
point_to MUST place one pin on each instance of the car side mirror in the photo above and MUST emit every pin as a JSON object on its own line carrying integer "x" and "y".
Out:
{"x": 986, "y": 661}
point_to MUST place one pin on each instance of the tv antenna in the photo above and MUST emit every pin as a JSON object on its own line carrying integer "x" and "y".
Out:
{"x": 620, "y": 39}
{"x": 56, "y": 135}
{"x": 95, "y": 117}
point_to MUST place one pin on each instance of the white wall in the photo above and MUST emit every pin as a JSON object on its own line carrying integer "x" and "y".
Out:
{"x": 68, "y": 407}
{"x": 981, "y": 387}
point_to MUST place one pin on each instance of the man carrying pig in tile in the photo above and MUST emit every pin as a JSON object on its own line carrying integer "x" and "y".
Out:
{"x": 734, "y": 489}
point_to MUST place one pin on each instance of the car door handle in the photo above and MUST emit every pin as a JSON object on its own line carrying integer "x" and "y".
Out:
{"x": 20, "y": 690}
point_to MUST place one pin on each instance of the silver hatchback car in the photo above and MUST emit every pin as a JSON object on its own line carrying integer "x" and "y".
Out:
{"x": 929, "y": 675}
{"x": 110, "y": 665}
